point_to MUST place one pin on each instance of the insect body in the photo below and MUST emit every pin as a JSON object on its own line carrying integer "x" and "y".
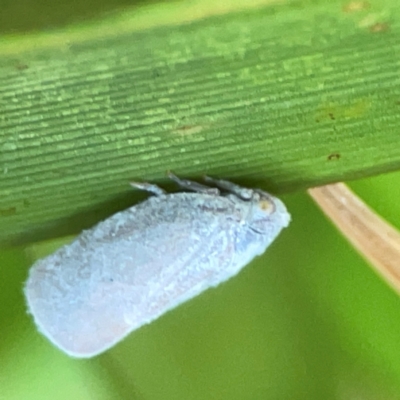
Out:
{"x": 133, "y": 267}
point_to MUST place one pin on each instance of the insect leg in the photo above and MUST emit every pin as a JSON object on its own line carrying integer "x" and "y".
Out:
{"x": 239, "y": 191}
{"x": 193, "y": 186}
{"x": 148, "y": 187}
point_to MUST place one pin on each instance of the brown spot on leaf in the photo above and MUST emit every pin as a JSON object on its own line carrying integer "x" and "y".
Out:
{"x": 189, "y": 129}
{"x": 354, "y": 6}
{"x": 21, "y": 66}
{"x": 338, "y": 111}
{"x": 379, "y": 27}
{"x": 7, "y": 212}
{"x": 333, "y": 156}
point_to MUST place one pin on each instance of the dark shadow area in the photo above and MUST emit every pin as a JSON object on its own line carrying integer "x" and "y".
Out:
{"x": 75, "y": 223}
{"x": 19, "y": 16}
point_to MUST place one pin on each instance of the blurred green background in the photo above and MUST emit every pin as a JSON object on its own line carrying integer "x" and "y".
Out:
{"x": 307, "y": 320}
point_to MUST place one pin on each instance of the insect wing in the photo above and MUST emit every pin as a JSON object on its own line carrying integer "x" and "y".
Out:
{"x": 92, "y": 293}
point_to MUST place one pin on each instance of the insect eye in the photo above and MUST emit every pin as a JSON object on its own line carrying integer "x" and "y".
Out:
{"x": 266, "y": 206}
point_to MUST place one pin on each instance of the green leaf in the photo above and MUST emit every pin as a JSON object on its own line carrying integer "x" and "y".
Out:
{"x": 283, "y": 96}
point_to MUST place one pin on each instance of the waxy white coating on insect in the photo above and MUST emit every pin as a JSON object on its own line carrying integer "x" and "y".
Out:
{"x": 133, "y": 267}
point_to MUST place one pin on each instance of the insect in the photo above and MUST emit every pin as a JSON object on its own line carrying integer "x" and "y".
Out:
{"x": 133, "y": 267}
